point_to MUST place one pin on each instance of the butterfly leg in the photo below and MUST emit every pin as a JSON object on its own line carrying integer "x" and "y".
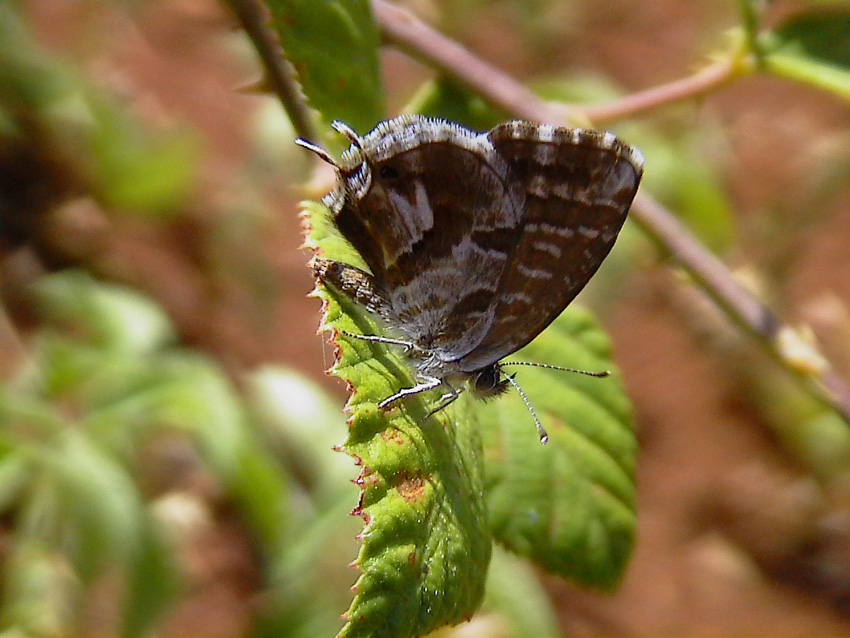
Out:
{"x": 445, "y": 401}
{"x": 408, "y": 345}
{"x": 428, "y": 383}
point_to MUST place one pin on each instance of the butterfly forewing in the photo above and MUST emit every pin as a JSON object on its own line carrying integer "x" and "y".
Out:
{"x": 576, "y": 188}
{"x": 437, "y": 228}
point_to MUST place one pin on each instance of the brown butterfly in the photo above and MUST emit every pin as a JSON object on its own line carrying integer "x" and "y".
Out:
{"x": 475, "y": 242}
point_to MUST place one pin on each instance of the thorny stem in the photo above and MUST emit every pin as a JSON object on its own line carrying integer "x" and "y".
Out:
{"x": 419, "y": 40}
{"x": 404, "y": 30}
{"x": 411, "y": 35}
{"x": 708, "y": 79}
{"x": 747, "y": 310}
{"x": 251, "y": 14}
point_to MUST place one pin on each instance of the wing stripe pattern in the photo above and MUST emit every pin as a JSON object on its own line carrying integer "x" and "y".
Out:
{"x": 576, "y": 188}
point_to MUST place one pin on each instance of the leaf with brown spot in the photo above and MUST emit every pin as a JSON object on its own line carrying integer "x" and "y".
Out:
{"x": 426, "y": 542}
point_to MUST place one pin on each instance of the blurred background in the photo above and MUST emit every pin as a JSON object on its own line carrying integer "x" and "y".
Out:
{"x": 165, "y": 421}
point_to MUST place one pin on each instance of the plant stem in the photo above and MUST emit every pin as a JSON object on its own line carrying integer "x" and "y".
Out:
{"x": 708, "y": 79}
{"x": 421, "y": 41}
{"x": 417, "y": 39}
{"x": 735, "y": 301}
{"x": 281, "y": 75}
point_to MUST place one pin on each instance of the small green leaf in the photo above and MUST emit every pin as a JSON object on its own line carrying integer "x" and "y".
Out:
{"x": 446, "y": 99}
{"x": 135, "y": 170}
{"x": 302, "y": 423}
{"x": 812, "y": 47}
{"x": 14, "y": 475}
{"x": 569, "y": 505}
{"x": 333, "y": 46}
{"x": 515, "y": 594}
{"x": 683, "y": 179}
{"x": 311, "y": 578}
{"x": 40, "y": 592}
{"x": 426, "y": 543}
{"x": 100, "y": 506}
{"x": 112, "y": 316}
{"x": 189, "y": 393}
{"x": 153, "y": 581}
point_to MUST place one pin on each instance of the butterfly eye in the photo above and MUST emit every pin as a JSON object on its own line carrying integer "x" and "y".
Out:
{"x": 486, "y": 379}
{"x": 388, "y": 172}
{"x": 488, "y": 383}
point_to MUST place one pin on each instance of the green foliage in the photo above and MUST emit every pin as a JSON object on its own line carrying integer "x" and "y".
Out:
{"x": 45, "y": 102}
{"x": 113, "y": 317}
{"x": 446, "y": 99}
{"x": 568, "y": 505}
{"x": 105, "y": 381}
{"x": 515, "y": 594}
{"x": 687, "y": 183}
{"x": 812, "y": 47}
{"x": 74, "y": 423}
{"x": 134, "y": 171}
{"x": 333, "y": 46}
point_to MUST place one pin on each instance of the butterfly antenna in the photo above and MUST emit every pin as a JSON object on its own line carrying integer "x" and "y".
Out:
{"x": 541, "y": 431}
{"x": 532, "y": 364}
{"x": 318, "y": 150}
{"x": 348, "y": 132}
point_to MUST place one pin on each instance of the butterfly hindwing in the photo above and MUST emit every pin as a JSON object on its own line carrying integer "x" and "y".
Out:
{"x": 576, "y": 189}
{"x": 437, "y": 227}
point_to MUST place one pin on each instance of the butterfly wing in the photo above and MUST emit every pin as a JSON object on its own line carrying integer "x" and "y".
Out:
{"x": 577, "y": 188}
{"x": 427, "y": 208}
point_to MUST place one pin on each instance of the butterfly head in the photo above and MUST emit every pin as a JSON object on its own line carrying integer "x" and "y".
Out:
{"x": 353, "y": 170}
{"x": 491, "y": 381}
{"x": 488, "y": 383}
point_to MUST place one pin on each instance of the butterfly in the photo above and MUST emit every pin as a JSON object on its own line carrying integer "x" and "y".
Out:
{"x": 475, "y": 242}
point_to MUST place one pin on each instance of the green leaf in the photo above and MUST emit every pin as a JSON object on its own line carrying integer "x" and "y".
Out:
{"x": 189, "y": 393}
{"x": 311, "y": 578}
{"x": 515, "y": 594}
{"x": 426, "y": 543}
{"x": 333, "y": 46}
{"x": 812, "y": 47}
{"x": 14, "y": 475}
{"x": 302, "y": 423}
{"x": 40, "y": 592}
{"x": 687, "y": 182}
{"x": 153, "y": 581}
{"x": 112, "y": 316}
{"x": 100, "y": 508}
{"x": 569, "y": 505}
{"x": 446, "y": 99}
{"x": 137, "y": 171}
